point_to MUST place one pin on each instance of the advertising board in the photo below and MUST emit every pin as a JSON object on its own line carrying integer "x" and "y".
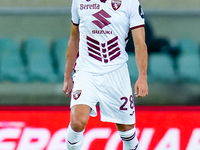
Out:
{"x": 44, "y": 128}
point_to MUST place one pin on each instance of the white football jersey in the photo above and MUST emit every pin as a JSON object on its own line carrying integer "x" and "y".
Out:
{"x": 104, "y": 27}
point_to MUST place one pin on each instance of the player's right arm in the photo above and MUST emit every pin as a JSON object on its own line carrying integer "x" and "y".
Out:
{"x": 72, "y": 51}
{"x": 141, "y": 86}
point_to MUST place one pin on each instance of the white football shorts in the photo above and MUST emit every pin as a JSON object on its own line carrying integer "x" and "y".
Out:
{"x": 113, "y": 91}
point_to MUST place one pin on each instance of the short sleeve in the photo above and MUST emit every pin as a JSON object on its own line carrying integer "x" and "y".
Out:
{"x": 136, "y": 15}
{"x": 74, "y": 13}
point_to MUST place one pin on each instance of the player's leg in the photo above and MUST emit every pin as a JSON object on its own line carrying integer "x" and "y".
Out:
{"x": 79, "y": 118}
{"x": 117, "y": 106}
{"x": 128, "y": 136}
{"x": 83, "y": 104}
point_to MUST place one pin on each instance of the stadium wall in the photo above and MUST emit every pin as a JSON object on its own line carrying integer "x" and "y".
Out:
{"x": 177, "y": 4}
{"x": 21, "y": 20}
{"x": 54, "y": 22}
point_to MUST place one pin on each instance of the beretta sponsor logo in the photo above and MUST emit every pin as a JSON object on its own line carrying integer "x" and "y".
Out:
{"x": 89, "y": 6}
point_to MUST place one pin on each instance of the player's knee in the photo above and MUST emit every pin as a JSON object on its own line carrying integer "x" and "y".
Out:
{"x": 123, "y": 127}
{"x": 78, "y": 125}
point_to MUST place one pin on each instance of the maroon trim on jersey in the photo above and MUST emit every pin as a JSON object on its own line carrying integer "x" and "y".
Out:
{"x": 92, "y": 40}
{"x": 93, "y": 46}
{"x": 112, "y": 40}
{"x": 103, "y": 44}
{"x": 113, "y": 46}
{"x": 104, "y": 50}
{"x": 90, "y": 49}
{"x": 115, "y": 56}
{"x": 105, "y": 60}
{"x": 94, "y": 56}
{"x": 74, "y": 23}
{"x": 143, "y": 25}
{"x": 100, "y": 53}
{"x": 113, "y": 51}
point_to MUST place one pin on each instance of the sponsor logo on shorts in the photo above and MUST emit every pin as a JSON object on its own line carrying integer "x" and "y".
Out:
{"x": 116, "y": 4}
{"x": 76, "y": 94}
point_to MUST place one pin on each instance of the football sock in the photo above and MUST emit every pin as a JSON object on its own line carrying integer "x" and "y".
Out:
{"x": 74, "y": 139}
{"x": 129, "y": 138}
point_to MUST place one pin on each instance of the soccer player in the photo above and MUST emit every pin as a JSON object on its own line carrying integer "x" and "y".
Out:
{"x": 96, "y": 47}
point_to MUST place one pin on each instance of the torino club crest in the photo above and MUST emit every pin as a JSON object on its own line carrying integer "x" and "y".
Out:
{"x": 116, "y": 4}
{"x": 77, "y": 94}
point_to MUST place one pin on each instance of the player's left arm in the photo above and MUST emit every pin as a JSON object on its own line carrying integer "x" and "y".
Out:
{"x": 141, "y": 86}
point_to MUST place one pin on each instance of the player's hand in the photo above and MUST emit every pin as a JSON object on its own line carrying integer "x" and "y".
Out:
{"x": 141, "y": 88}
{"x": 67, "y": 87}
